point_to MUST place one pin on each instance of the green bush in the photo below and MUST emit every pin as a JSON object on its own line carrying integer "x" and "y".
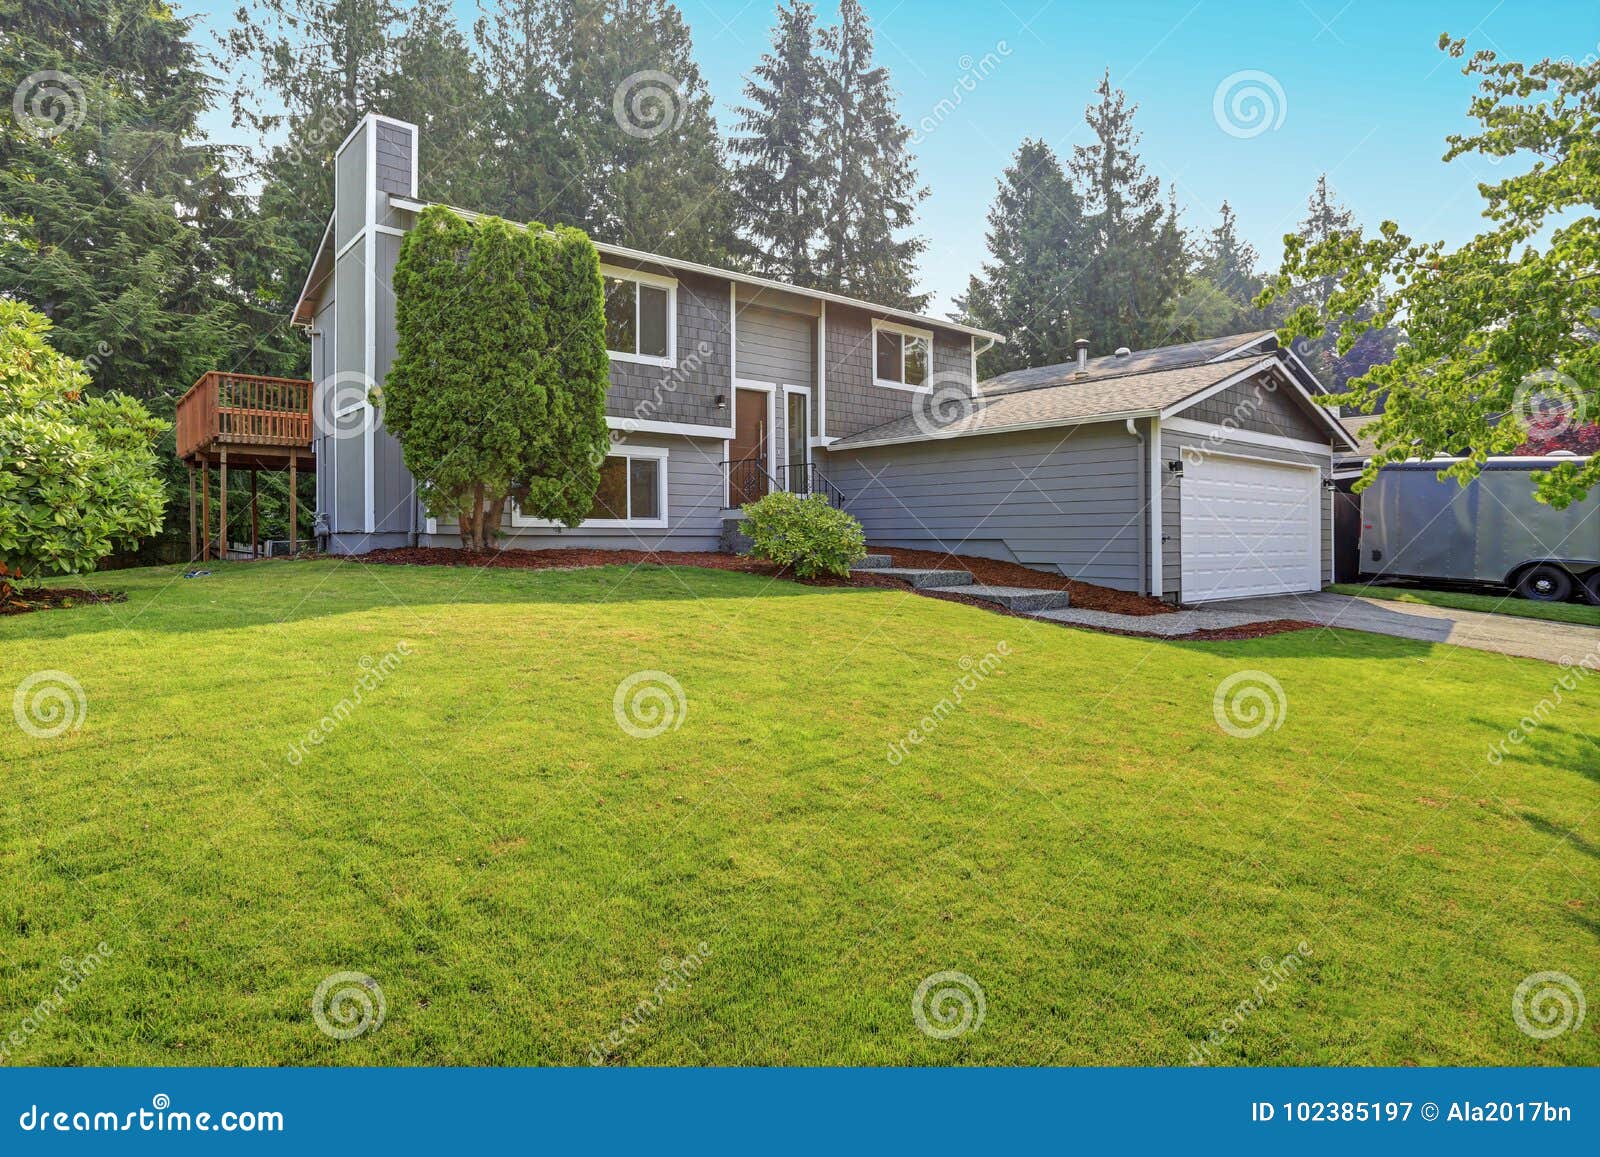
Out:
{"x": 804, "y": 533}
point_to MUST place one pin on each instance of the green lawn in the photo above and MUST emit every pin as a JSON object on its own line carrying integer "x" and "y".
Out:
{"x": 1507, "y": 604}
{"x": 518, "y": 875}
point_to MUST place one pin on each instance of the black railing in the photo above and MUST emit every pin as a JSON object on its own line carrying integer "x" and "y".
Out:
{"x": 807, "y": 479}
{"x": 749, "y": 480}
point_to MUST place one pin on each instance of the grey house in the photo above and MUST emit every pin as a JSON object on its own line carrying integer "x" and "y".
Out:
{"x": 1195, "y": 472}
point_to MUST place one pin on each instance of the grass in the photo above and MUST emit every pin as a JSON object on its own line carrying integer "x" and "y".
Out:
{"x": 762, "y": 883}
{"x": 1581, "y": 613}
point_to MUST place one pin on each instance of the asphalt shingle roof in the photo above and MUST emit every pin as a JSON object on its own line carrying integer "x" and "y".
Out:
{"x": 1139, "y": 362}
{"x": 1078, "y": 401}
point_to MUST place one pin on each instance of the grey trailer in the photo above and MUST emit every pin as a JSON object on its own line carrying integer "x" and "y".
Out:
{"x": 1493, "y": 530}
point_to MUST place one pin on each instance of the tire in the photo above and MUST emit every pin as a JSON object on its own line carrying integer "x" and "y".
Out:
{"x": 1592, "y": 582}
{"x": 1545, "y": 584}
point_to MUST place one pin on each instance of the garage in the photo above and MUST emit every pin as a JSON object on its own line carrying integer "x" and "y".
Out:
{"x": 1249, "y": 527}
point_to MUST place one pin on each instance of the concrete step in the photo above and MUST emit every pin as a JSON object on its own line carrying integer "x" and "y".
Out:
{"x": 734, "y": 539}
{"x": 919, "y": 578}
{"x": 1019, "y": 598}
{"x": 874, "y": 562}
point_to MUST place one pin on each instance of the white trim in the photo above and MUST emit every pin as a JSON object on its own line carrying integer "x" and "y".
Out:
{"x": 1220, "y": 433}
{"x": 657, "y": 281}
{"x": 1275, "y": 366}
{"x": 1158, "y": 561}
{"x": 305, "y": 289}
{"x": 771, "y": 390}
{"x": 686, "y": 429}
{"x": 658, "y": 454}
{"x": 822, "y": 371}
{"x": 1238, "y": 349}
{"x": 880, "y": 325}
{"x": 786, "y": 391}
{"x": 412, "y": 205}
{"x": 1310, "y": 373}
{"x": 1047, "y": 424}
{"x": 733, "y": 347}
{"x": 369, "y": 307}
{"x": 390, "y": 230}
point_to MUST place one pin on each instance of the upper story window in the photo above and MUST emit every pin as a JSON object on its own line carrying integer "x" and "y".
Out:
{"x": 641, "y": 316}
{"x": 901, "y": 355}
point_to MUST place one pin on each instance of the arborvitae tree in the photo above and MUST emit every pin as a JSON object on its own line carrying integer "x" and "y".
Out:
{"x": 1136, "y": 265}
{"x": 779, "y": 180}
{"x": 864, "y": 251}
{"x": 1036, "y": 245}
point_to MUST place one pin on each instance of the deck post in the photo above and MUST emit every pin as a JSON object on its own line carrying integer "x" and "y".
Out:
{"x": 222, "y": 500}
{"x": 294, "y": 504}
{"x": 194, "y": 541}
{"x": 205, "y": 507}
{"x": 255, "y": 537}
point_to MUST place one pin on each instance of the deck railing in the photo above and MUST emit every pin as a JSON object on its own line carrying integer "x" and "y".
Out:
{"x": 244, "y": 410}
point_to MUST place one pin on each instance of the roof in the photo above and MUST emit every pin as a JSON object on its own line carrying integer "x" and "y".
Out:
{"x": 621, "y": 253}
{"x": 1128, "y": 395}
{"x": 1358, "y": 427}
{"x": 1169, "y": 357}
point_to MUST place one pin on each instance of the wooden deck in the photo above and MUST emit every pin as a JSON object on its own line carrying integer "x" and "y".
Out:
{"x": 246, "y": 422}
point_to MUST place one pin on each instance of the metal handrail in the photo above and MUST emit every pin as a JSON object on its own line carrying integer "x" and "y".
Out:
{"x": 749, "y": 479}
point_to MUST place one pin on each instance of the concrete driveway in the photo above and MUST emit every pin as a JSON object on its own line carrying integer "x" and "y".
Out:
{"x": 1531, "y": 638}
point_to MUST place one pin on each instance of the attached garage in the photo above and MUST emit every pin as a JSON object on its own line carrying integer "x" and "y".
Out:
{"x": 1249, "y": 527}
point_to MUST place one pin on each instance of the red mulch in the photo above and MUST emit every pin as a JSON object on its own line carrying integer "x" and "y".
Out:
{"x": 984, "y": 570}
{"x": 56, "y": 598}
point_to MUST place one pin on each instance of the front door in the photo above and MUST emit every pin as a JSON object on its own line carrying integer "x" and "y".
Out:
{"x": 747, "y": 455}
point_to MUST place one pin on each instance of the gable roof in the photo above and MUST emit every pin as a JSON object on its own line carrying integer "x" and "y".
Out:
{"x": 1153, "y": 394}
{"x": 323, "y": 261}
{"x": 1168, "y": 357}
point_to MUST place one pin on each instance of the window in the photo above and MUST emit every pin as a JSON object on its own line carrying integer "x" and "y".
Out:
{"x": 639, "y": 316}
{"x": 632, "y": 492}
{"x": 901, "y": 355}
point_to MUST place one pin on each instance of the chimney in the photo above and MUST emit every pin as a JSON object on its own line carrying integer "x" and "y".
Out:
{"x": 1083, "y": 354}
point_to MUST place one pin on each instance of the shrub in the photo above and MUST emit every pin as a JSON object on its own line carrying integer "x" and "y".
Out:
{"x": 804, "y": 533}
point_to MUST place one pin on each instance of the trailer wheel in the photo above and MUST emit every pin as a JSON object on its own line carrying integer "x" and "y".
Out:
{"x": 1592, "y": 583}
{"x": 1545, "y": 583}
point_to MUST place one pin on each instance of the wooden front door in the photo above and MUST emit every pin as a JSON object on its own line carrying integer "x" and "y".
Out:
{"x": 747, "y": 456}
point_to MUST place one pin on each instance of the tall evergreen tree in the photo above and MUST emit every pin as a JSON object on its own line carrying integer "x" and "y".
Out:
{"x": 779, "y": 179}
{"x": 1229, "y": 261}
{"x": 1223, "y": 283}
{"x": 864, "y": 250}
{"x": 1036, "y": 243}
{"x": 1136, "y": 264}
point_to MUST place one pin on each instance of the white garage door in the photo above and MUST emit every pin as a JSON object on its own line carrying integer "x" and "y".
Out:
{"x": 1250, "y": 528}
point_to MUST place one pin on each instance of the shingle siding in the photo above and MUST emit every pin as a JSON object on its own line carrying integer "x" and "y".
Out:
{"x": 1262, "y": 405}
{"x": 855, "y": 403}
{"x": 395, "y": 146}
{"x": 687, "y": 391}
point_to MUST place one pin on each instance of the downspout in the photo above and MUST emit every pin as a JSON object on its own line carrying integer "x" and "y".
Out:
{"x": 976, "y": 354}
{"x": 1133, "y": 431}
{"x": 1157, "y": 578}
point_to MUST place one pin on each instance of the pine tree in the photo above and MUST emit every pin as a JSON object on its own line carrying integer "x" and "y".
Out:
{"x": 863, "y": 249}
{"x": 1223, "y": 283}
{"x": 1036, "y": 246}
{"x": 1229, "y": 261}
{"x": 1136, "y": 266}
{"x": 779, "y": 179}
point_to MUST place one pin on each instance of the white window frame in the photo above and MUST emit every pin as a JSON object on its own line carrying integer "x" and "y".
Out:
{"x": 904, "y": 331}
{"x": 656, "y": 454}
{"x": 658, "y": 281}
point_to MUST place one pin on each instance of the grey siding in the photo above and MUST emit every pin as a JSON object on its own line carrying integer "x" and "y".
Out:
{"x": 1173, "y": 447}
{"x": 694, "y": 506}
{"x": 350, "y": 189}
{"x": 395, "y": 148}
{"x": 778, "y": 347}
{"x": 321, "y": 371}
{"x": 1067, "y": 500}
{"x": 1262, "y": 405}
{"x": 347, "y": 508}
{"x": 687, "y": 391}
{"x": 855, "y": 403}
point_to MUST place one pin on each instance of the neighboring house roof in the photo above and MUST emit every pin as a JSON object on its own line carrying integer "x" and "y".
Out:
{"x": 1169, "y": 357}
{"x": 1356, "y": 425}
{"x": 1158, "y": 393}
{"x": 621, "y": 253}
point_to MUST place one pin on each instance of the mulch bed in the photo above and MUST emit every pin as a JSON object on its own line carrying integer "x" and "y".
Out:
{"x": 984, "y": 570}
{"x": 56, "y": 598}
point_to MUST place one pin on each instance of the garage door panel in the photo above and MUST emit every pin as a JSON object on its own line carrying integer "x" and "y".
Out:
{"x": 1249, "y": 528}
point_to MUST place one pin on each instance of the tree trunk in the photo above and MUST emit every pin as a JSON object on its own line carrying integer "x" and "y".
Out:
{"x": 491, "y": 522}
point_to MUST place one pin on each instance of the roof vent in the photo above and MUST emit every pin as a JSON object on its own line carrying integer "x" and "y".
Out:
{"x": 1083, "y": 354}
{"x": 1124, "y": 352}
{"x": 1561, "y": 454}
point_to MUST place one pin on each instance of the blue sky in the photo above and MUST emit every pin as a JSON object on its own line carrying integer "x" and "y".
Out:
{"x": 1365, "y": 95}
